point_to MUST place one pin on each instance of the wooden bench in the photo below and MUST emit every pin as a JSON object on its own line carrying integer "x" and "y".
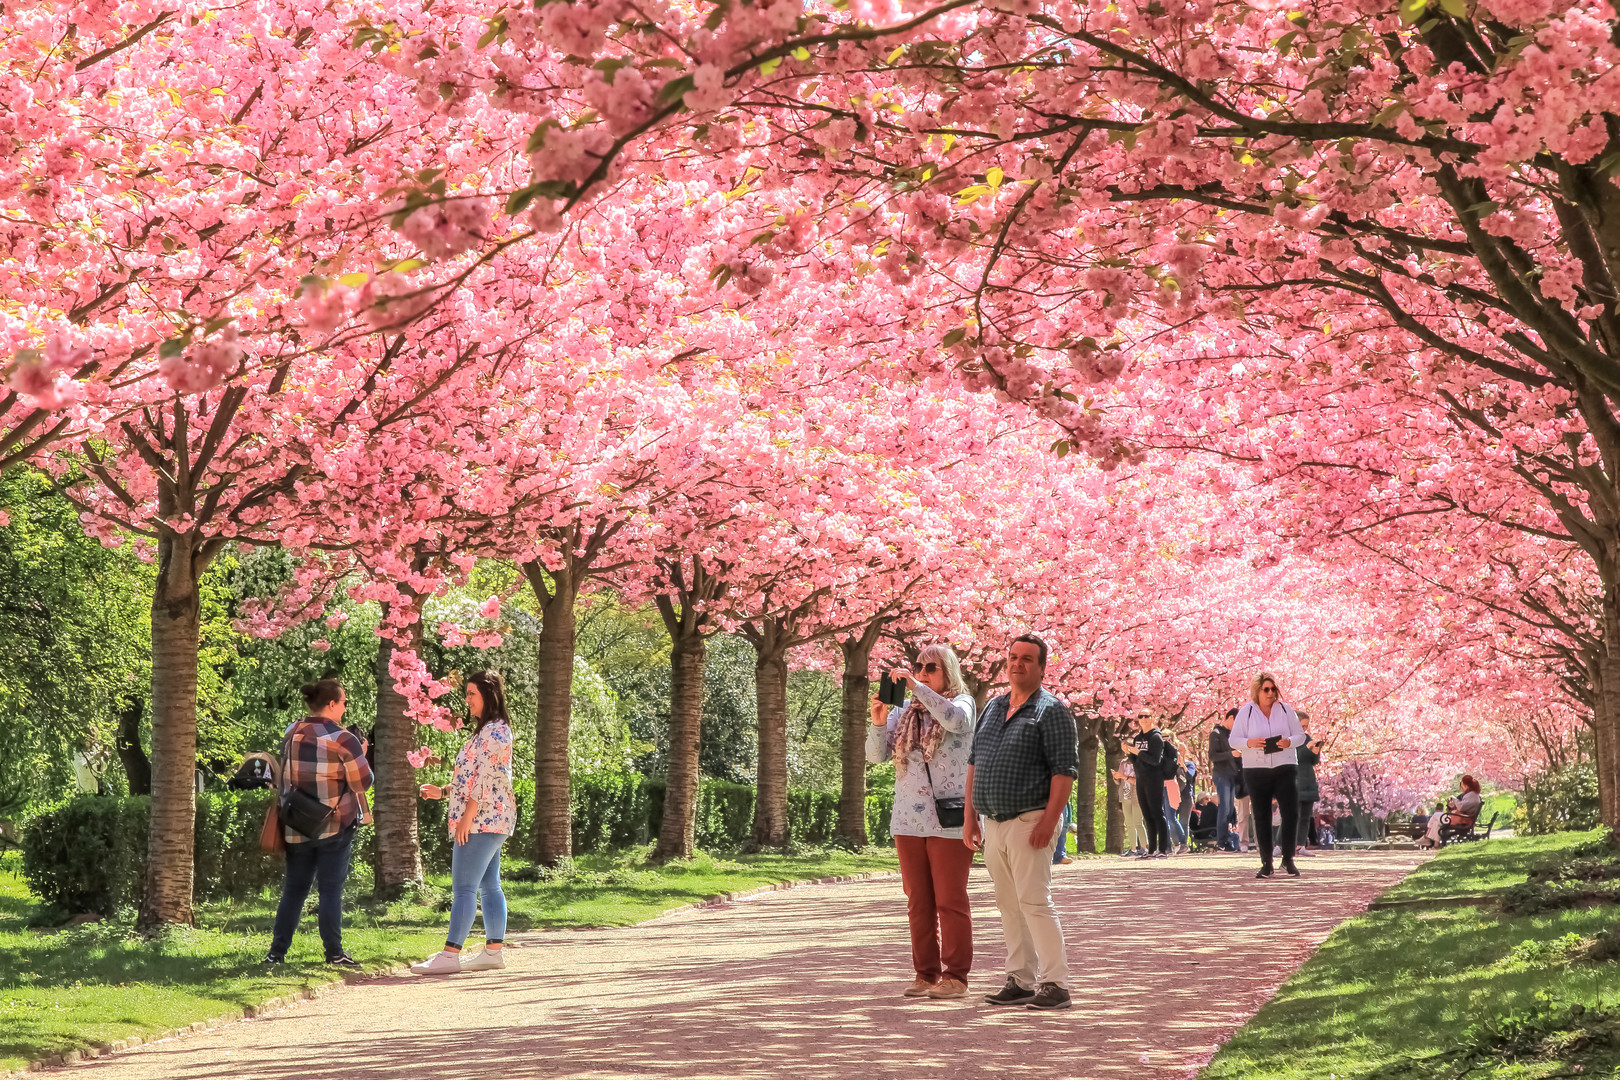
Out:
{"x": 1463, "y": 834}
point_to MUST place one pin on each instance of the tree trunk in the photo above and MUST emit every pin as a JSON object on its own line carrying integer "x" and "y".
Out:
{"x": 1114, "y": 815}
{"x": 393, "y": 805}
{"x": 136, "y": 766}
{"x": 676, "y": 835}
{"x": 1606, "y": 711}
{"x": 552, "y": 835}
{"x": 1085, "y": 811}
{"x": 770, "y": 783}
{"x": 176, "y": 622}
{"x": 857, "y": 718}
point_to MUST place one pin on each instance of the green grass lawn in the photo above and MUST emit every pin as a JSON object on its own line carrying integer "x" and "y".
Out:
{"x": 1391, "y": 992}
{"x": 92, "y": 984}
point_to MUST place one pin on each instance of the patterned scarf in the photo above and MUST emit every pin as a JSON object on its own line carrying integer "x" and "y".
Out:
{"x": 916, "y": 730}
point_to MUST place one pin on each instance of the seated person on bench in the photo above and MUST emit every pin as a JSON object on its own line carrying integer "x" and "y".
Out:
{"x": 1463, "y": 811}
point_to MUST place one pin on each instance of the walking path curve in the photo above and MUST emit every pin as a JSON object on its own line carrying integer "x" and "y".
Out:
{"x": 1168, "y": 958}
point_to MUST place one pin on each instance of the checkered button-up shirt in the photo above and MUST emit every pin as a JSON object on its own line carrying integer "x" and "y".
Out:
{"x": 1015, "y": 757}
{"x": 329, "y": 763}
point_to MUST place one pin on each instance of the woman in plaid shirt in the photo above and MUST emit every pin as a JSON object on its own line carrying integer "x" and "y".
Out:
{"x": 327, "y": 761}
{"x": 483, "y": 813}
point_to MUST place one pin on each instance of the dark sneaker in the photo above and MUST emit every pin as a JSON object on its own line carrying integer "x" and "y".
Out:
{"x": 344, "y": 960}
{"x": 1011, "y": 994}
{"x": 1263, "y": 872}
{"x": 1050, "y": 996}
{"x": 1293, "y": 871}
{"x": 272, "y": 959}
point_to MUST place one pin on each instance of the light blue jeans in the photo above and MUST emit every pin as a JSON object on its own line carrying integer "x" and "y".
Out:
{"x": 1172, "y": 818}
{"x": 475, "y": 868}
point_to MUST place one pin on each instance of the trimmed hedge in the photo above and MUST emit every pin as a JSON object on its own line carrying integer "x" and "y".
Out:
{"x": 89, "y": 854}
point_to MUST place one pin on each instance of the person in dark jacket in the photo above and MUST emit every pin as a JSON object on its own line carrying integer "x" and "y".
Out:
{"x": 1309, "y": 792}
{"x": 1146, "y": 749}
{"x": 1223, "y": 767}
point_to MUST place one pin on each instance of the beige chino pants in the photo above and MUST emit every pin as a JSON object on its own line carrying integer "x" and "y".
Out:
{"x": 1023, "y": 879}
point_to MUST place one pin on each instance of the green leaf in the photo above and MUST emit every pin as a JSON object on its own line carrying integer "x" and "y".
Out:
{"x": 537, "y": 138}
{"x": 1609, "y": 164}
{"x": 1482, "y": 209}
{"x": 1457, "y": 9}
{"x": 1413, "y": 10}
{"x": 673, "y": 91}
{"x": 1061, "y": 448}
{"x": 610, "y": 67}
{"x": 497, "y": 29}
{"x": 762, "y": 238}
{"x": 954, "y": 337}
{"x": 717, "y": 16}
{"x": 994, "y": 176}
{"x": 173, "y": 347}
{"x": 214, "y": 326}
{"x": 768, "y": 68}
{"x": 801, "y": 54}
{"x": 520, "y": 199}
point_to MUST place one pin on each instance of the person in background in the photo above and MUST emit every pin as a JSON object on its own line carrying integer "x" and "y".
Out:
{"x": 1307, "y": 789}
{"x": 1324, "y": 829}
{"x": 928, "y": 738}
{"x": 482, "y": 814}
{"x": 1172, "y": 801}
{"x": 1136, "y": 833}
{"x": 1147, "y": 758}
{"x": 1223, "y": 768}
{"x": 1463, "y": 812}
{"x": 1268, "y": 732}
{"x": 1021, "y": 770}
{"x": 1242, "y": 815}
{"x": 1187, "y": 781}
{"x": 1060, "y": 854}
{"x": 326, "y": 762}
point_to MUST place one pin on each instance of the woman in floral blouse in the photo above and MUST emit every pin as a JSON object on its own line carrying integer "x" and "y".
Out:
{"x": 928, "y": 738}
{"x": 483, "y": 813}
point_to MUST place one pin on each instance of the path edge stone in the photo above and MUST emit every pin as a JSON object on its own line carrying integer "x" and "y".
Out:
{"x": 309, "y": 993}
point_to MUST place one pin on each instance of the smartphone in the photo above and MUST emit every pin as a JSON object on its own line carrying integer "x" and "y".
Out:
{"x": 1272, "y": 742}
{"x": 890, "y": 692}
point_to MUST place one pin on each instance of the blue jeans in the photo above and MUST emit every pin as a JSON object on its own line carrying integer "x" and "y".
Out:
{"x": 1061, "y": 852}
{"x": 1225, "y": 812}
{"x": 325, "y": 864}
{"x": 475, "y": 872}
{"x": 1172, "y": 819}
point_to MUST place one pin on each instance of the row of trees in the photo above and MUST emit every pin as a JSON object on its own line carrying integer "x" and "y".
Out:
{"x": 721, "y": 307}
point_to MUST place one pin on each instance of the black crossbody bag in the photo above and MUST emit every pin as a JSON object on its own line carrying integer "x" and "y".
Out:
{"x": 950, "y": 812}
{"x": 301, "y": 812}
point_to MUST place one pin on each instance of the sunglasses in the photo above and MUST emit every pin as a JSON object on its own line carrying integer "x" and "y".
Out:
{"x": 930, "y": 667}
{"x": 1268, "y": 689}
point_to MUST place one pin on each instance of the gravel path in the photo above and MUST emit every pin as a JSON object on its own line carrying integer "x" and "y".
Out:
{"x": 1168, "y": 958}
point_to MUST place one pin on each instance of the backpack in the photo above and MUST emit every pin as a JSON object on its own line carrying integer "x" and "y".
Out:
{"x": 1170, "y": 761}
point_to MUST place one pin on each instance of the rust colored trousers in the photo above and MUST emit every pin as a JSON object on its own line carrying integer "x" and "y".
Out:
{"x": 934, "y": 872}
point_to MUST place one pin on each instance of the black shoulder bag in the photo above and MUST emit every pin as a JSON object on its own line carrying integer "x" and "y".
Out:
{"x": 951, "y": 812}
{"x": 301, "y": 812}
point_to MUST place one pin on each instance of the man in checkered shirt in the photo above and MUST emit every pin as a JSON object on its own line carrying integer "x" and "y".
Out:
{"x": 1023, "y": 765}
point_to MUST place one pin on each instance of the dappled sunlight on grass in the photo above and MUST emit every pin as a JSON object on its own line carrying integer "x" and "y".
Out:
{"x": 1391, "y": 988}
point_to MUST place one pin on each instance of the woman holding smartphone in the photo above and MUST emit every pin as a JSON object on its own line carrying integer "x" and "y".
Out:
{"x": 1268, "y": 733}
{"x": 483, "y": 813}
{"x": 928, "y": 737}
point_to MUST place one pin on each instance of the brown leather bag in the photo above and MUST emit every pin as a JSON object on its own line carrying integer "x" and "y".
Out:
{"x": 271, "y": 837}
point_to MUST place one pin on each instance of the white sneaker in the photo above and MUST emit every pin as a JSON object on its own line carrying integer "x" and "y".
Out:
{"x": 440, "y": 963}
{"x": 484, "y": 960}
{"x": 1307, "y": 852}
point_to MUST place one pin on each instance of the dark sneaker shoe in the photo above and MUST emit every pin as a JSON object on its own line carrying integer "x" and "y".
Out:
{"x": 1263, "y": 872}
{"x": 1050, "y": 996}
{"x": 273, "y": 958}
{"x": 1293, "y": 871}
{"x": 344, "y": 960}
{"x": 1011, "y": 994}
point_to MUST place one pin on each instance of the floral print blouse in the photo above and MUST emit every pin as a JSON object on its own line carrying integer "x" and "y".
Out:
{"x": 913, "y": 797}
{"x": 484, "y": 773}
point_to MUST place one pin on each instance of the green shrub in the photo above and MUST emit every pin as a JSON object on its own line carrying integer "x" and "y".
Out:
{"x": 89, "y": 854}
{"x": 1558, "y": 801}
{"x": 879, "y": 809}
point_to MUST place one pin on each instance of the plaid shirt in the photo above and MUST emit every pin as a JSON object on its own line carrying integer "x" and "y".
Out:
{"x": 329, "y": 763}
{"x": 1015, "y": 757}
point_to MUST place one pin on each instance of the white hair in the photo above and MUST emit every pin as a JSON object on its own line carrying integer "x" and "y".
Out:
{"x": 946, "y": 658}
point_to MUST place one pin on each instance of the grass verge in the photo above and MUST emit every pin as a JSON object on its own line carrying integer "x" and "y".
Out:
{"x": 1449, "y": 992}
{"x": 89, "y": 985}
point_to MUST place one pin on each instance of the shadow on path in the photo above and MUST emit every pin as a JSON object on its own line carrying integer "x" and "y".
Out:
{"x": 1167, "y": 958}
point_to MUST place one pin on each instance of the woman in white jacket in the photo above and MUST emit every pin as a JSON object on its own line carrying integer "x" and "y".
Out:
{"x": 1269, "y": 734}
{"x": 928, "y": 739}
